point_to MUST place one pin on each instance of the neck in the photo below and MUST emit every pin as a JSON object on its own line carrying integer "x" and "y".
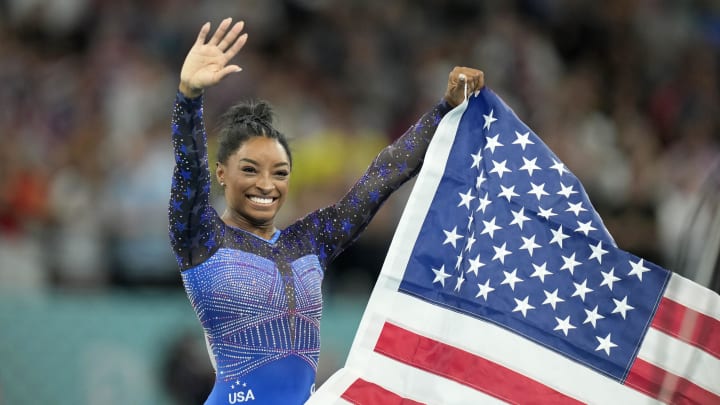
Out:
{"x": 263, "y": 230}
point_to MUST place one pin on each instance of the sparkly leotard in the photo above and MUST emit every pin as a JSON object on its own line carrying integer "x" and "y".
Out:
{"x": 259, "y": 301}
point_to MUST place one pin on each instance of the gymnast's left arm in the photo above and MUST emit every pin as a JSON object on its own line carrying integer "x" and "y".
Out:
{"x": 394, "y": 165}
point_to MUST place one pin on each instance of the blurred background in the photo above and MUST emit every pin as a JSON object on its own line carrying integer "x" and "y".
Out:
{"x": 92, "y": 309}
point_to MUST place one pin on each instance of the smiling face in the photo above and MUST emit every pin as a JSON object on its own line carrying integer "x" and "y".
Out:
{"x": 256, "y": 179}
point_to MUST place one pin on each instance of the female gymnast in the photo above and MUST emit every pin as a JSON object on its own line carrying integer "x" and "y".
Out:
{"x": 256, "y": 289}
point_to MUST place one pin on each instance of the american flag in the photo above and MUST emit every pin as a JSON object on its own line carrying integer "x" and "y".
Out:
{"x": 502, "y": 285}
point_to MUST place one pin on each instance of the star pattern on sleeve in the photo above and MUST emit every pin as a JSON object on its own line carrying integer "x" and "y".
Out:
{"x": 193, "y": 223}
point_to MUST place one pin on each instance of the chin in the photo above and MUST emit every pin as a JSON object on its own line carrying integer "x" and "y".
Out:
{"x": 261, "y": 220}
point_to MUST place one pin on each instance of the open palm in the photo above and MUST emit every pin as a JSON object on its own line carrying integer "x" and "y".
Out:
{"x": 206, "y": 63}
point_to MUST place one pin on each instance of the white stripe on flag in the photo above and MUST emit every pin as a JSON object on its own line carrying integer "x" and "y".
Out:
{"x": 693, "y": 296}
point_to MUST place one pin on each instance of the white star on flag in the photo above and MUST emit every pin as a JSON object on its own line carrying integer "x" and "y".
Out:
{"x": 558, "y": 236}
{"x": 605, "y": 344}
{"x": 523, "y": 306}
{"x": 440, "y": 275}
{"x": 519, "y": 217}
{"x": 581, "y": 289}
{"x": 511, "y": 279}
{"x": 597, "y": 252}
{"x": 477, "y": 158}
{"x": 541, "y": 271}
{"x": 592, "y": 316}
{"x": 459, "y": 282}
{"x": 484, "y": 202}
{"x": 585, "y": 227}
{"x": 570, "y": 263}
{"x": 538, "y": 190}
{"x": 622, "y": 307}
{"x": 638, "y": 269}
{"x": 551, "y": 298}
{"x": 475, "y": 265}
{"x": 466, "y": 199}
{"x": 529, "y": 244}
{"x": 489, "y": 119}
{"x": 470, "y": 242}
{"x": 490, "y": 228}
{"x": 479, "y": 180}
{"x": 609, "y": 278}
{"x": 500, "y": 168}
{"x": 522, "y": 140}
{"x": 575, "y": 208}
{"x": 566, "y": 191}
{"x": 452, "y": 237}
{"x": 546, "y": 213}
{"x": 529, "y": 166}
{"x": 501, "y": 252}
{"x": 564, "y": 325}
{"x": 560, "y": 167}
{"x": 508, "y": 192}
{"x": 492, "y": 143}
{"x": 485, "y": 289}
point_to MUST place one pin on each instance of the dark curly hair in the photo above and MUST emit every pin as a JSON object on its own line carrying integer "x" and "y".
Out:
{"x": 243, "y": 121}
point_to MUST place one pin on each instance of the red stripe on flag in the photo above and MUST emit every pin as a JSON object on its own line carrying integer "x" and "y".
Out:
{"x": 690, "y": 326}
{"x": 362, "y": 392}
{"x": 667, "y": 387}
{"x": 464, "y": 367}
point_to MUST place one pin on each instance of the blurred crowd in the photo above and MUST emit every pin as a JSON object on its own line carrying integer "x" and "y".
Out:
{"x": 626, "y": 92}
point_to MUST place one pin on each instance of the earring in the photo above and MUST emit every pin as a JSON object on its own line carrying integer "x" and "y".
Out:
{"x": 222, "y": 184}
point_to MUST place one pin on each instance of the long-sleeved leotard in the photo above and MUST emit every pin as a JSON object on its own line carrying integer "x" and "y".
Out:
{"x": 259, "y": 301}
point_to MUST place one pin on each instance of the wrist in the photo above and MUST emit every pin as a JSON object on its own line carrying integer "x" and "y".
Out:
{"x": 451, "y": 102}
{"x": 189, "y": 91}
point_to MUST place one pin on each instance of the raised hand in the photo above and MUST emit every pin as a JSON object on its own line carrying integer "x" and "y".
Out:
{"x": 460, "y": 77}
{"x": 207, "y": 62}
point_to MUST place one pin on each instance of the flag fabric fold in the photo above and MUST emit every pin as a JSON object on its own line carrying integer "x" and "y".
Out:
{"x": 502, "y": 285}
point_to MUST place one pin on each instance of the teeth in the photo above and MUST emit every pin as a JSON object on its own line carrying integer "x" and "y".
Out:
{"x": 261, "y": 200}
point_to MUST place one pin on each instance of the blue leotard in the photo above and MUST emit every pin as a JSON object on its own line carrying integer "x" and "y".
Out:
{"x": 259, "y": 301}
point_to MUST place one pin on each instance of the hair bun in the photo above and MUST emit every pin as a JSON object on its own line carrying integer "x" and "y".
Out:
{"x": 254, "y": 111}
{"x": 263, "y": 111}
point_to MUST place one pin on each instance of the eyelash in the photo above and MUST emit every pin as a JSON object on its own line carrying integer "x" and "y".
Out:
{"x": 250, "y": 169}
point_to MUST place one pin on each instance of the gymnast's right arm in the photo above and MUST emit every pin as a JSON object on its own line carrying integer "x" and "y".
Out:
{"x": 195, "y": 228}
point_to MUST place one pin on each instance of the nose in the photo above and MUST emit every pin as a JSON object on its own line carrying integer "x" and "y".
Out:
{"x": 265, "y": 184}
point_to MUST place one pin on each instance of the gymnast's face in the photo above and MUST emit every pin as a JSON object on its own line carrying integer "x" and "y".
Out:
{"x": 256, "y": 179}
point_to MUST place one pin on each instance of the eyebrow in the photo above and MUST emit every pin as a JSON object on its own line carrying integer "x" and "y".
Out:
{"x": 257, "y": 164}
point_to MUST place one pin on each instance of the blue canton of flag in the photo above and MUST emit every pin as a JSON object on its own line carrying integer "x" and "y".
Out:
{"x": 512, "y": 238}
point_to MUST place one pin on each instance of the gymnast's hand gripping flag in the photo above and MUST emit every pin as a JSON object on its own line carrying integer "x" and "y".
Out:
{"x": 502, "y": 285}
